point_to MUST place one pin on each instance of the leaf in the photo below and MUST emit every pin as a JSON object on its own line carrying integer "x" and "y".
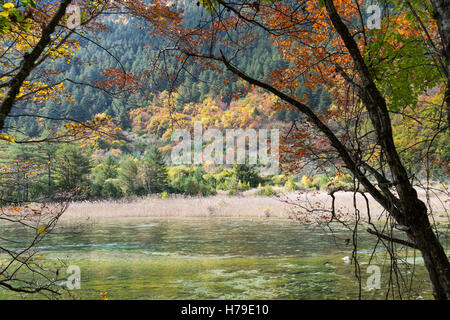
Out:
{"x": 8, "y": 5}
{"x": 42, "y": 229}
{"x": 7, "y": 138}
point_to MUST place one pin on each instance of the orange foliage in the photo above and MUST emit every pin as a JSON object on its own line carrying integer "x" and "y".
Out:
{"x": 254, "y": 111}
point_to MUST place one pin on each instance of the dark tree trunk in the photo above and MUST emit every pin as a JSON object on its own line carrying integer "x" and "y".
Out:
{"x": 434, "y": 256}
{"x": 441, "y": 14}
{"x": 410, "y": 211}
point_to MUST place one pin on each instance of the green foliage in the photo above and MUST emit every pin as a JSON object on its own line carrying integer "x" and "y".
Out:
{"x": 155, "y": 171}
{"x": 402, "y": 65}
{"x": 128, "y": 176}
{"x": 71, "y": 167}
{"x": 190, "y": 181}
{"x": 444, "y": 147}
{"x": 267, "y": 191}
{"x": 111, "y": 189}
{"x": 340, "y": 181}
{"x": 278, "y": 180}
{"x": 236, "y": 186}
{"x": 106, "y": 170}
{"x": 164, "y": 195}
{"x": 247, "y": 174}
{"x": 12, "y": 14}
{"x": 291, "y": 185}
{"x": 318, "y": 182}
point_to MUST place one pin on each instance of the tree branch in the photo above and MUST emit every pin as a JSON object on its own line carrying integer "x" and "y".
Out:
{"x": 28, "y": 63}
{"x": 396, "y": 240}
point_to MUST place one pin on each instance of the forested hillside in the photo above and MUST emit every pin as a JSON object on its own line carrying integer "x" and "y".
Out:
{"x": 125, "y": 45}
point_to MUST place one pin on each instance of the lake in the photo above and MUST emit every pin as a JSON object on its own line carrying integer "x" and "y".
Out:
{"x": 215, "y": 259}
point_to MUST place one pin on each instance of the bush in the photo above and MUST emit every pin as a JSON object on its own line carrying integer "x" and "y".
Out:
{"x": 247, "y": 174}
{"x": 279, "y": 180}
{"x": 200, "y": 189}
{"x": 318, "y": 182}
{"x": 340, "y": 181}
{"x": 210, "y": 179}
{"x": 111, "y": 191}
{"x": 222, "y": 186}
{"x": 221, "y": 176}
{"x": 164, "y": 195}
{"x": 306, "y": 182}
{"x": 290, "y": 184}
{"x": 236, "y": 187}
{"x": 267, "y": 191}
{"x": 191, "y": 181}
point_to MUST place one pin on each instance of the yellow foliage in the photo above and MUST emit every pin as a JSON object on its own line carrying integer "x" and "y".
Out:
{"x": 8, "y": 5}
{"x": 42, "y": 229}
{"x": 7, "y": 138}
{"x": 306, "y": 181}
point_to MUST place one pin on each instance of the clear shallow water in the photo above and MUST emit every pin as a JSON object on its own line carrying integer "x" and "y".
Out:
{"x": 208, "y": 259}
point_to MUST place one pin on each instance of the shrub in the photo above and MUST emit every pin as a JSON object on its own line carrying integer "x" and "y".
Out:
{"x": 247, "y": 174}
{"x": 236, "y": 187}
{"x": 306, "y": 182}
{"x": 221, "y": 176}
{"x": 291, "y": 185}
{"x": 341, "y": 181}
{"x": 210, "y": 179}
{"x": 191, "y": 181}
{"x": 320, "y": 181}
{"x": 110, "y": 190}
{"x": 164, "y": 195}
{"x": 222, "y": 186}
{"x": 193, "y": 187}
{"x": 279, "y": 180}
{"x": 267, "y": 191}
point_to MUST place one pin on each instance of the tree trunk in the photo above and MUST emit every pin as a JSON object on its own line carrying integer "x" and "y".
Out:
{"x": 434, "y": 256}
{"x": 29, "y": 63}
{"x": 409, "y": 211}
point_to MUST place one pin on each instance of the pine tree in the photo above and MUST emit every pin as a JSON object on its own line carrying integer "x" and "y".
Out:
{"x": 155, "y": 171}
{"x": 128, "y": 175}
{"x": 246, "y": 174}
{"x": 71, "y": 167}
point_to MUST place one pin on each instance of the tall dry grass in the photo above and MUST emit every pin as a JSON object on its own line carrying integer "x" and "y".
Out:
{"x": 182, "y": 207}
{"x": 222, "y": 206}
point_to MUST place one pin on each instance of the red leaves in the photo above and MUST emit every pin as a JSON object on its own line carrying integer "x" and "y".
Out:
{"x": 118, "y": 79}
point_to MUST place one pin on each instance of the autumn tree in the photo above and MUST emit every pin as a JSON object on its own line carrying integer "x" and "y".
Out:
{"x": 33, "y": 34}
{"x": 373, "y": 75}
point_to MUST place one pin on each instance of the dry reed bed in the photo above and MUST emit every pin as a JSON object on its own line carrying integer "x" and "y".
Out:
{"x": 180, "y": 207}
{"x": 281, "y": 207}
